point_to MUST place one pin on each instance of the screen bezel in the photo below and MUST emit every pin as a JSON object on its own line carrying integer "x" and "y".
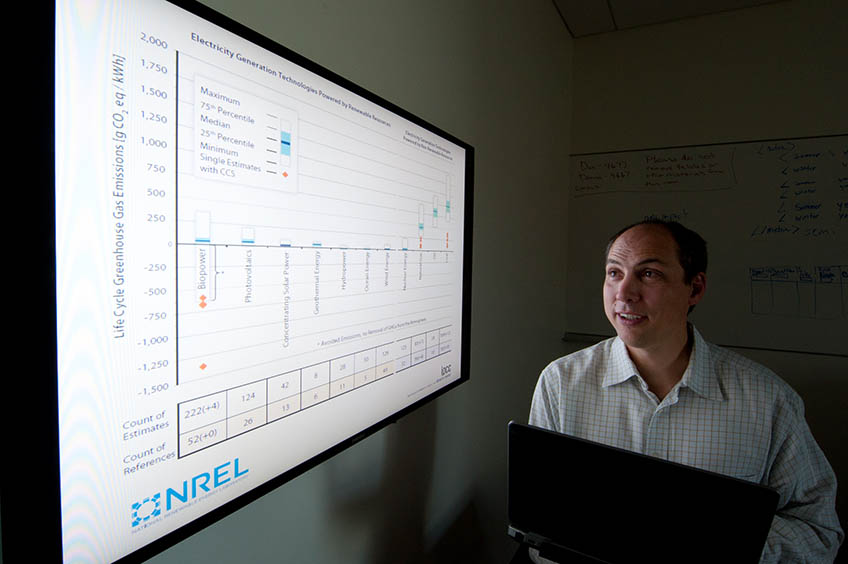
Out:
{"x": 36, "y": 473}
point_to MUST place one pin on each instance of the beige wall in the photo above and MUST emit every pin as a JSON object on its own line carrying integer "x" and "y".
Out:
{"x": 769, "y": 72}
{"x": 773, "y": 71}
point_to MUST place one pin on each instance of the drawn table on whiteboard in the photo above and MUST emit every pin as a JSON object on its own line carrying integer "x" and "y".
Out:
{"x": 794, "y": 291}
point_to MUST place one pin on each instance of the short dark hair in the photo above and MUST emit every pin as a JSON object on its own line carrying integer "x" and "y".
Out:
{"x": 691, "y": 247}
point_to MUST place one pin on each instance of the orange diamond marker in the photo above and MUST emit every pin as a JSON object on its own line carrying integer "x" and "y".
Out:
{"x": 203, "y": 301}
{"x": 285, "y": 174}
{"x": 203, "y": 366}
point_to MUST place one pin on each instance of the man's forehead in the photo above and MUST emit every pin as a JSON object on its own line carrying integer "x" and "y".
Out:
{"x": 643, "y": 244}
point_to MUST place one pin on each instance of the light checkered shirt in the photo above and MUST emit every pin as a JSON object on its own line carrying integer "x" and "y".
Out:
{"x": 727, "y": 414}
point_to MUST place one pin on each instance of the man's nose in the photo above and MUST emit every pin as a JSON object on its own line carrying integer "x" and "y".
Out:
{"x": 628, "y": 289}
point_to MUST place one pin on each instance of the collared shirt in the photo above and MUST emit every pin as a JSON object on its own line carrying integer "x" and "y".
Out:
{"x": 727, "y": 414}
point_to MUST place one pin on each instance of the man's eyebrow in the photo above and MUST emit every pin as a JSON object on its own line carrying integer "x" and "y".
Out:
{"x": 640, "y": 263}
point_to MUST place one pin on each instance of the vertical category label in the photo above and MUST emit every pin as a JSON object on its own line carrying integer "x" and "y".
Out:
{"x": 243, "y": 139}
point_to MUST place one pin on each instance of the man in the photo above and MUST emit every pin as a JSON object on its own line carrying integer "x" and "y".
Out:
{"x": 658, "y": 388}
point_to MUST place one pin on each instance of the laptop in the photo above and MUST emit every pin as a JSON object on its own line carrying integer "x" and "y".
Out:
{"x": 581, "y": 501}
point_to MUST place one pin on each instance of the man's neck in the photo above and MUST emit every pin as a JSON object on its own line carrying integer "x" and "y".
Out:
{"x": 662, "y": 369}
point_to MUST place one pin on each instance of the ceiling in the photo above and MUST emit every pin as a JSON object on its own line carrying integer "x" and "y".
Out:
{"x": 589, "y": 17}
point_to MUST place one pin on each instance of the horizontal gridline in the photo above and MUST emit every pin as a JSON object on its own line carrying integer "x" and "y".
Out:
{"x": 287, "y": 229}
{"x": 200, "y": 202}
{"x": 320, "y": 248}
{"x": 185, "y": 337}
{"x": 275, "y": 306}
{"x": 288, "y": 356}
{"x": 350, "y": 280}
{"x": 414, "y": 199}
{"x": 348, "y": 294}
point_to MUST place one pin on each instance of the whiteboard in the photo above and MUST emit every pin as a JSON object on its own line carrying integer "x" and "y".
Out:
{"x": 775, "y": 217}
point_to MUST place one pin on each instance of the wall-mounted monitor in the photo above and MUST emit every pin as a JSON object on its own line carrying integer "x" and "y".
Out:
{"x": 257, "y": 262}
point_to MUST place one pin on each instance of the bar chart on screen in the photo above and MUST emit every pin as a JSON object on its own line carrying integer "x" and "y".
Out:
{"x": 314, "y": 255}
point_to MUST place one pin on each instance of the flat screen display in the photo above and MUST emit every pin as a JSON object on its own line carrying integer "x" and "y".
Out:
{"x": 257, "y": 262}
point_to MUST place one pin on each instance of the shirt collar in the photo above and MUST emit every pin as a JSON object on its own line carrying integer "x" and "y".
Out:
{"x": 621, "y": 367}
{"x": 698, "y": 376}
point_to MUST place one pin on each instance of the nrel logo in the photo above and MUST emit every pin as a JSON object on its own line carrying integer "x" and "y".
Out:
{"x": 143, "y": 511}
{"x": 202, "y": 483}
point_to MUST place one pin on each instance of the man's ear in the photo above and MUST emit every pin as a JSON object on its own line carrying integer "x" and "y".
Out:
{"x": 699, "y": 288}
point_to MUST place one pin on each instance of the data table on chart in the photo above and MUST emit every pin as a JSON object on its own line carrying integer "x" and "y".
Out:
{"x": 211, "y": 419}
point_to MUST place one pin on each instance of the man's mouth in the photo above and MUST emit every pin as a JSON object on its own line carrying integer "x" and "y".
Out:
{"x": 630, "y": 317}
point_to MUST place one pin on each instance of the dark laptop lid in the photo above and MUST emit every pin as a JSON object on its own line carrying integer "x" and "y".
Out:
{"x": 570, "y": 495}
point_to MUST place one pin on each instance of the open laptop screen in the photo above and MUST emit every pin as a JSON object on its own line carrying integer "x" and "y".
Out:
{"x": 569, "y": 495}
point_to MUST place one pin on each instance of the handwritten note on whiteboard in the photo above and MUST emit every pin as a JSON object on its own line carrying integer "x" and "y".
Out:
{"x": 775, "y": 217}
{"x": 687, "y": 169}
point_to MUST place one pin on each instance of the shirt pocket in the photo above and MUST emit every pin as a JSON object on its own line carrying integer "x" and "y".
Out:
{"x": 739, "y": 451}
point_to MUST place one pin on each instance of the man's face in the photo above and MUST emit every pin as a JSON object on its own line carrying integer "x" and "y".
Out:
{"x": 645, "y": 297}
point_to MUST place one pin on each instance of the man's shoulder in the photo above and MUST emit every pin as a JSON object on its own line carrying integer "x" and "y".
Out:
{"x": 578, "y": 362}
{"x": 573, "y": 376}
{"x": 738, "y": 373}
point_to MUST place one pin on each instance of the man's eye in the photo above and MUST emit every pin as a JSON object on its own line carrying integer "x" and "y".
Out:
{"x": 612, "y": 273}
{"x": 650, "y": 274}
